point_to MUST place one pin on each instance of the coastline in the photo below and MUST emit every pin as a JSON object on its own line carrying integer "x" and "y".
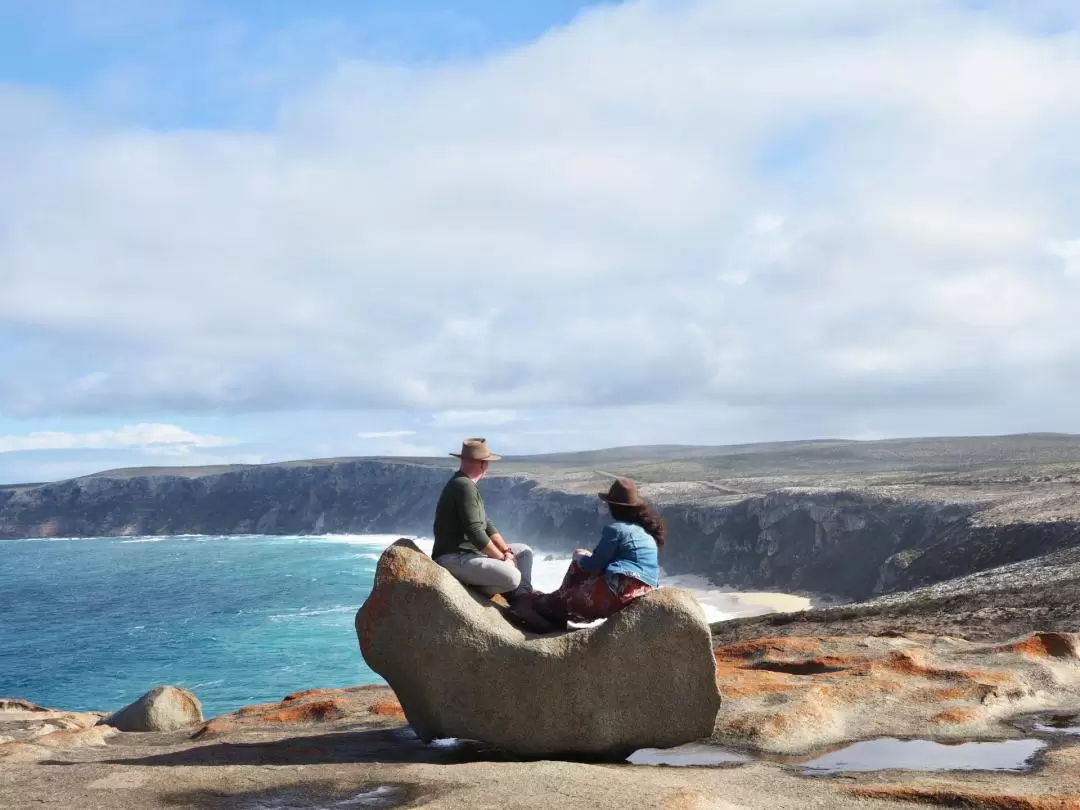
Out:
{"x": 723, "y": 603}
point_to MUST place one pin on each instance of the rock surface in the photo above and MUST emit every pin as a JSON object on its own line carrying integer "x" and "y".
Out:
{"x": 792, "y": 695}
{"x": 366, "y": 758}
{"x": 163, "y": 708}
{"x": 642, "y": 679}
{"x": 29, "y": 733}
{"x": 318, "y": 706}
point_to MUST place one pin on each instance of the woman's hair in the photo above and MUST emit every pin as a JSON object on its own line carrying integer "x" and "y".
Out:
{"x": 644, "y": 516}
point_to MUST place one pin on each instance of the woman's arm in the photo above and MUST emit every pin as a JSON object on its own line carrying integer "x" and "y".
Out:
{"x": 605, "y": 550}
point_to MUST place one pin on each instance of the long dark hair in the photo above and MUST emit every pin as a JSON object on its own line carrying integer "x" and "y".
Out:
{"x": 644, "y": 516}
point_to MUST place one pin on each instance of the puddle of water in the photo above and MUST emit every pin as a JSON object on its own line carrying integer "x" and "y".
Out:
{"x": 870, "y": 755}
{"x": 383, "y": 796}
{"x": 694, "y": 754}
{"x": 888, "y": 753}
{"x": 447, "y": 742}
{"x": 1052, "y": 723}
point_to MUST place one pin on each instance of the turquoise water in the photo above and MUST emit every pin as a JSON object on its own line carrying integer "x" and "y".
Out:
{"x": 91, "y": 624}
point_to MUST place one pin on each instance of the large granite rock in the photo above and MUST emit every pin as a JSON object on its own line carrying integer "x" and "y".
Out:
{"x": 799, "y": 694}
{"x": 644, "y": 678}
{"x": 163, "y": 708}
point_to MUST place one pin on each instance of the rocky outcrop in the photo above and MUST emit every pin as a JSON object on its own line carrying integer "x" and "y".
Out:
{"x": 642, "y": 679}
{"x": 1036, "y": 594}
{"x": 163, "y": 708}
{"x": 350, "y": 747}
{"x": 311, "y": 707}
{"x": 792, "y": 695}
{"x": 29, "y": 733}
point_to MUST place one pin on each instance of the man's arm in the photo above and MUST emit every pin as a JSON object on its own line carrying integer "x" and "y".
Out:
{"x": 498, "y": 542}
{"x": 475, "y": 525}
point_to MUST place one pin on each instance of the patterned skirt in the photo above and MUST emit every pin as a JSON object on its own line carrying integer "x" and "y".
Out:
{"x": 585, "y": 597}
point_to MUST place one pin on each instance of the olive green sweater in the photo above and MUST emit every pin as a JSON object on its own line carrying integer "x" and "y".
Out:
{"x": 461, "y": 524}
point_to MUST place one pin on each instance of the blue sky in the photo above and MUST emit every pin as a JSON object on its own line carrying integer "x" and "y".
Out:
{"x": 254, "y": 231}
{"x": 210, "y": 63}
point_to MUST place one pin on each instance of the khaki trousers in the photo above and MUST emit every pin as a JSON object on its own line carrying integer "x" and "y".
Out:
{"x": 491, "y": 576}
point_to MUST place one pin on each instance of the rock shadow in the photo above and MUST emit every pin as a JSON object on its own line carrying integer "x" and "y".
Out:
{"x": 797, "y": 667}
{"x": 388, "y": 746}
{"x": 314, "y": 796}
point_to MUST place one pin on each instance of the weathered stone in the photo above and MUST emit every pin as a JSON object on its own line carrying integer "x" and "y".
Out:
{"x": 644, "y": 678}
{"x": 965, "y": 797}
{"x": 19, "y": 705}
{"x": 40, "y": 746}
{"x": 793, "y": 695}
{"x": 164, "y": 708}
{"x": 24, "y": 722}
{"x": 366, "y": 704}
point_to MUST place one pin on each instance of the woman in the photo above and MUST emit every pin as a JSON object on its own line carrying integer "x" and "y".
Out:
{"x": 622, "y": 567}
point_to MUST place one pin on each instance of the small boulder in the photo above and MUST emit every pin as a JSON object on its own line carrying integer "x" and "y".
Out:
{"x": 163, "y": 708}
{"x": 645, "y": 678}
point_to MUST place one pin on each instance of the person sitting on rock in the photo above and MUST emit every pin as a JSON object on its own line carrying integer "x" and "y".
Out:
{"x": 622, "y": 567}
{"x": 467, "y": 544}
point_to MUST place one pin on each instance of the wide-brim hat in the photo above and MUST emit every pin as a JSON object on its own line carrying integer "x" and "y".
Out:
{"x": 476, "y": 450}
{"x": 623, "y": 492}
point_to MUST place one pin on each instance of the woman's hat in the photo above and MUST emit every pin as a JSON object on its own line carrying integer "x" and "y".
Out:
{"x": 477, "y": 450}
{"x": 623, "y": 492}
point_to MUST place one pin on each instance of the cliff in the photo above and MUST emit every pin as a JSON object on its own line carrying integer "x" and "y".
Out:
{"x": 839, "y": 518}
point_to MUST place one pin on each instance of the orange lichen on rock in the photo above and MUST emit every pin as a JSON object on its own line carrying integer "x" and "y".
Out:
{"x": 310, "y": 693}
{"x": 955, "y": 717}
{"x": 319, "y": 710}
{"x": 959, "y": 797}
{"x": 1044, "y": 645}
{"x": 390, "y": 569}
{"x": 311, "y": 706}
{"x": 761, "y": 646}
{"x": 736, "y": 680}
{"x": 754, "y": 687}
{"x": 388, "y": 708}
{"x": 913, "y": 662}
{"x": 785, "y": 695}
{"x": 952, "y": 692}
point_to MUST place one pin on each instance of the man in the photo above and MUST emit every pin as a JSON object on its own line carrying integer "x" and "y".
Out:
{"x": 467, "y": 544}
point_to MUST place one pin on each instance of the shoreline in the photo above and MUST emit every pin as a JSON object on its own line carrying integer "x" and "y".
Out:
{"x": 722, "y": 603}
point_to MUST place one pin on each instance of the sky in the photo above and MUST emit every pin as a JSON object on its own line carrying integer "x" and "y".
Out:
{"x": 258, "y": 230}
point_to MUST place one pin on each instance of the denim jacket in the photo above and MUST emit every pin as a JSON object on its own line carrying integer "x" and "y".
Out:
{"x": 624, "y": 548}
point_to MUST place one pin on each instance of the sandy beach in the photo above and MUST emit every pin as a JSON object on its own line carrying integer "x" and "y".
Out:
{"x": 727, "y": 603}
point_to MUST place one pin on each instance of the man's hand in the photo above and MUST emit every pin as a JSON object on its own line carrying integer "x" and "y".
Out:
{"x": 508, "y": 556}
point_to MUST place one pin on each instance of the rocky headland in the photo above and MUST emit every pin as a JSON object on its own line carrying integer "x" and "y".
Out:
{"x": 850, "y": 520}
{"x": 949, "y": 571}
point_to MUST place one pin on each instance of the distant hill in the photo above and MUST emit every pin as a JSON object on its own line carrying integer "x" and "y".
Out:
{"x": 808, "y": 458}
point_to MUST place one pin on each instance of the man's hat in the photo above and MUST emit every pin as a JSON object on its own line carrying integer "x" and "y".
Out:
{"x": 623, "y": 492}
{"x": 477, "y": 450}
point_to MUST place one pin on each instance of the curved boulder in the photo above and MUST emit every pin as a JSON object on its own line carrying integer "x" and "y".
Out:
{"x": 645, "y": 678}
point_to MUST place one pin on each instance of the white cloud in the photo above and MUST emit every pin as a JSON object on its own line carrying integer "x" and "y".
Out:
{"x": 473, "y": 418}
{"x": 1068, "y": 250}
{"x": 158, "y": 438}
{"x": 385, "y": 434}
{"x": 732, "y": 204}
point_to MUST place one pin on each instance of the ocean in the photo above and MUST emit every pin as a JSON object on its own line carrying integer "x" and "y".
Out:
{"x": 92, "y": 623}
